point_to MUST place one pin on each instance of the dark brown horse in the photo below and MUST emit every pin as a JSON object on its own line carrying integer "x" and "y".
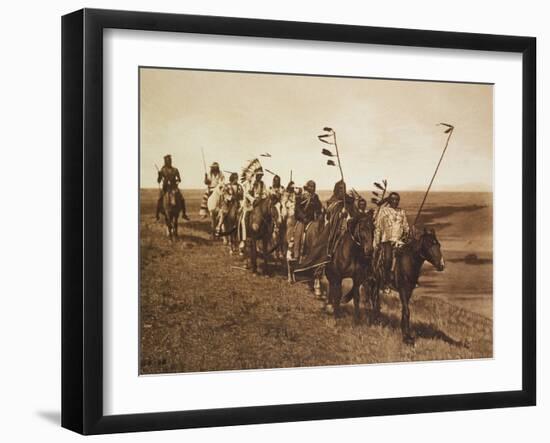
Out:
{"x": 171, "y": 208}
{"x": 262, "y": 228}
{"x": 408, "y": 265}
{"x": 351, "y": 259}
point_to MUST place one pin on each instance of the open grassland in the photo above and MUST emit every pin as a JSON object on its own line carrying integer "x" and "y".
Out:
{"x": 200, "y": 311}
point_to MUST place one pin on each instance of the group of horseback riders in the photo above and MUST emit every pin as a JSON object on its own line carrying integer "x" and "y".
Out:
{"x": 297, "y": 207}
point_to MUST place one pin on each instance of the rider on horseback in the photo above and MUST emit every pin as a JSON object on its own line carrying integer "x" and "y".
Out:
{"x": 308, "y": 208}
{"x": 170, "y": 178}
{"x": 232, "y": 195}
{"x": 276, "y": 194}
{"x": 340, "y": 207}
{"x": 253, "y": 192}
{"x": 391, "y": 232}
{"x": 212, "y": 180}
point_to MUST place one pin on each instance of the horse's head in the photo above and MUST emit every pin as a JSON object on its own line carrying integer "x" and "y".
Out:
{"x": 261, "y": 216}
{"x": 430, "y": 249}
{"x": 363, "y": 233}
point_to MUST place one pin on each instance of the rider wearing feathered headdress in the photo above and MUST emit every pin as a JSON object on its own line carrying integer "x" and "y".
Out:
{"x": 254, "y": 190}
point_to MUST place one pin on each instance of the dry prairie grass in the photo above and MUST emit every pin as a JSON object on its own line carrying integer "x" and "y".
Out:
{"x": 197, "y": 313}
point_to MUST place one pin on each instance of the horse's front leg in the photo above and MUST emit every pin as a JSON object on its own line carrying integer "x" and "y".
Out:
{"x": 175, "y": 224}
{"x": 356, "y": 301}
{"x": 334, "y": 294}
{"x": 253, "y": 257}
{"x": 405, "y": 295}
{"x": 265, "y": 248}
{"x": 168, "y": 225}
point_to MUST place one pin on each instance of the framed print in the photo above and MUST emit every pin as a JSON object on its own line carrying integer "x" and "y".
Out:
{"x": 269, "y": 221}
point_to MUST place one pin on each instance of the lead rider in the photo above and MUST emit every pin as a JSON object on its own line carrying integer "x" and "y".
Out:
{"x": 170, "y": 178}
{"x": 391, "y": 230}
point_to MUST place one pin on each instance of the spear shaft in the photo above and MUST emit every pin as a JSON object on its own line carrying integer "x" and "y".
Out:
{"x": 340, "y": 167}
{"x": 203, "y": 160}
{"x": 451, "y": 128}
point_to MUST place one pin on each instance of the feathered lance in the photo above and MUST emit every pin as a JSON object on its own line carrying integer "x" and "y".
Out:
{"x": 204, "y": 163}
{"x": 323, "y": 137}
{"x": 449, "y": 131}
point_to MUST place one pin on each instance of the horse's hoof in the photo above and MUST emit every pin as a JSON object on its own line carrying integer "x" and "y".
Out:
{"x": 409, "y": 340}
{"x": 329, "y": 309}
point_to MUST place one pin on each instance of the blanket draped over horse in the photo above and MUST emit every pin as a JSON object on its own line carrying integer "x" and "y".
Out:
{"x": 313, "y": 252}
{"x": 321, "y": 238}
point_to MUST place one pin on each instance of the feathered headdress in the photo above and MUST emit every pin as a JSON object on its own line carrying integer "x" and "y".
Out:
{"x": 251, "y": 169}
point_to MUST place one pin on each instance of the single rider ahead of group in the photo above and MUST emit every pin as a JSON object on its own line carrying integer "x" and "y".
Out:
{"x": 170, "y": 178}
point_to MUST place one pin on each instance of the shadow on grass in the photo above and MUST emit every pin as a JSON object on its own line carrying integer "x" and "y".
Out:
{"x": 199, "y": 225}
{"x": 420, "y": 330}
{"x": 195, "y": 239}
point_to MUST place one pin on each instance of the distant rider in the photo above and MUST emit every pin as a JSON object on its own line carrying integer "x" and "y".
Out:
{"x": 170, "y": 178}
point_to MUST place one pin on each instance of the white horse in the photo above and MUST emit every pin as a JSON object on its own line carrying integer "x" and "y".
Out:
{"x": 214, "y": 204}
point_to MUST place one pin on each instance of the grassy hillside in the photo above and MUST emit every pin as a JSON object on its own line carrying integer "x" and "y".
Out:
{"x": 200, "y": 312}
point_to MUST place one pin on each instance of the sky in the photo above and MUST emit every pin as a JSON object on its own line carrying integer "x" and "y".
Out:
{"x": 386, "y": 129}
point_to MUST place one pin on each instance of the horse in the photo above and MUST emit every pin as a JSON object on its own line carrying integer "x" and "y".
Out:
{"x": 262, "y": 226}
{"x": 230, "y": 224}
{"x": 214, "y": 205}
{"x": 408, "y": 265}
{"x": 170, "y": 208}
{"x": 351, "y": 259}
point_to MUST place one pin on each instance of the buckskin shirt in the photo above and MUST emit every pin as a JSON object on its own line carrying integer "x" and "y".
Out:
{"x": 391, "y": 225}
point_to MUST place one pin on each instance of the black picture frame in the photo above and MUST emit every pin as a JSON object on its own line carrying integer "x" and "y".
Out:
{"x": 82, "y": 220}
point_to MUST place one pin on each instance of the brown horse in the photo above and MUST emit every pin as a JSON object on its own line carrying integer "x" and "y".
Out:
{"x": 351, "y": 259}
{"x": 171, "y": 208}
{"x": 262, "y": 227}
{"x": 230, "y": 224}
{"x": 408, "y": 264}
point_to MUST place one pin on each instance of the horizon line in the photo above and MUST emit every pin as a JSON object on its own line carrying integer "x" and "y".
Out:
{"x": 358, "y": 190}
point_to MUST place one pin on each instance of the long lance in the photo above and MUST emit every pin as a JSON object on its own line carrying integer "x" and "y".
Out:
{"x": 339, "y": 163}
{"x": 203, "y": 161}
{"x": 449, "y": 130}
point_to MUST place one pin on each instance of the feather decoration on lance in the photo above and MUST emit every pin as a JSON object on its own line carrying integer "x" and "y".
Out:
{"x": 375, "y": 201}
{"x": 379, "y": 186}
{"x": 266, "y": 154}
{"x": 327, "y": 152}
{"x": 376, "y": 193}
{"x": 323, "y": 137}
{"x": 331, "y": 163}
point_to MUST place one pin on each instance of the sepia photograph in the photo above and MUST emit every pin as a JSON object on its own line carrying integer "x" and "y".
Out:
{"x": 293, "y": 220}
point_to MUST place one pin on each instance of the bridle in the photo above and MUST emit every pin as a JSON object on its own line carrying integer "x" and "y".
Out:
{"x": 353, "y": 235}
